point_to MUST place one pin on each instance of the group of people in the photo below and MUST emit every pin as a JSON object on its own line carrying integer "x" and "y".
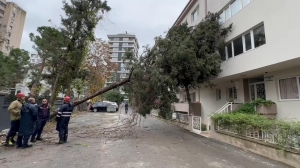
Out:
{"x": 29, "y": 120}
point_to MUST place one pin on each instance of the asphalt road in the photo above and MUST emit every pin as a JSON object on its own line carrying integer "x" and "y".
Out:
{"x": 154, "y": 144}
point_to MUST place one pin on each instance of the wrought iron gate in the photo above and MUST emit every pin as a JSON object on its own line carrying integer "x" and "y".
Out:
{"x": 196, "y": 124}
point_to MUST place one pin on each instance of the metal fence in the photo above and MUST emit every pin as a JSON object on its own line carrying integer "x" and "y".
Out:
{"x": 182, "y": 117}
{"x": 273, "y": 136}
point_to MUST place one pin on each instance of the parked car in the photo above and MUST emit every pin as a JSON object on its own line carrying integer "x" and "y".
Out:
{"x": 99, "y": 107}
{"x": 113, "y": 104}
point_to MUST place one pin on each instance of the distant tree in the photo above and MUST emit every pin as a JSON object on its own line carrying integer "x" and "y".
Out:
{"x": 81, "y": 19}
{"x": 13, "y": 68}
{"x": 114, "y": 96}
{"x": 48, "y": 44}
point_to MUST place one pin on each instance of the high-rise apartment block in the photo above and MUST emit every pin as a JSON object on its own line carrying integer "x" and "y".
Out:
{"x": 119, "y": 44}
{"x": 12, "y": 20}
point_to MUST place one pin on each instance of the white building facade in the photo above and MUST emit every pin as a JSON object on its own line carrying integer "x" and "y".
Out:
{"x": 262, "y": 57}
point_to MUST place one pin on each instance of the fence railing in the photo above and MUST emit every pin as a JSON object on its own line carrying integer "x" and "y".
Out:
{"x": 182, "y": 117}
{"x": 274, "y": 136}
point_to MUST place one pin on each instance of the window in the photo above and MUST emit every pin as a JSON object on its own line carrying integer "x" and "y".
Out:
{"x": 238, "y": 46}
{"x": 114, "y": 54}
{"x": 32, "y": 60}
{"x": 232, "y": 93}
{"x": 289, "y": 88}
{"x": 248, "y": 43}
{"x": 115, "y": 44}
{"x": 9, "y": 34}
{"x": 218, "y": 94}
{"x": 229, "y": 50}
{"x": 259, "y": 36}
{"x": 195, "y": 14}
{"x": 222, "y": 17}
{"x": 233, "y": 9}
{"x": 125, "y": 39}
{"x": 236, "y": 6}
{"x": 250, "y": 40}
{"x": 115, "y": 49}
{"x": 227, "y": 14}
{"x": 245, "y": 2}
{"x": 14, "y": 15}
{"x": 11, "y": 27}
{"x": 1, "y": 11}
{"x": 193, "y": 97}
{"x": 2, "y": 4}
{"x": 7, "y": 41}
{"x": 12, "y": 21}
{"x": 114, "y": 59}
{"x": 125, "y": 44}
{"x": 116, "y": 39}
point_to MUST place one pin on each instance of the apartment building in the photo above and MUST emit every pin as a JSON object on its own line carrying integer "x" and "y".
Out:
{"x": 35, "y": 58}
{"x": 12, "y": 19}
{"x": 119, "y": 44}
{"x": 262, "y": 57}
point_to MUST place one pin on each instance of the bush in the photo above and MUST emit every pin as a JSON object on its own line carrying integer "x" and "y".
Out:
{"x": 286, "y": 134}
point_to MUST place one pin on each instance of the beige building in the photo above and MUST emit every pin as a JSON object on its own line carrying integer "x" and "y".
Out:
{"x": 262, "y": 57}
{"x": 12, "y": 24}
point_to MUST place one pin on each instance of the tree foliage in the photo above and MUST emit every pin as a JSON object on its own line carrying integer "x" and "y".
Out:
{"x": 191, "y": 55}
{"x": 13, "y": 68}
{"x": 114, "y": 96}
{"x": 188, "y": 57}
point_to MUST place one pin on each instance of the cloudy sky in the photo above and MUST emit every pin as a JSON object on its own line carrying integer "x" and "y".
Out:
{"x": 144, "y": 18}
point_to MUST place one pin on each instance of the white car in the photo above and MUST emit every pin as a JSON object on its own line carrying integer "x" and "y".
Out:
{"x": 114, "y": 106}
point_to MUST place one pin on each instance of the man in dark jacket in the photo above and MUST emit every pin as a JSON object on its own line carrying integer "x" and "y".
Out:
{"x": 28, "y": 119}
{"x": 43, "y": 116}
{"x": 63, "y": 117}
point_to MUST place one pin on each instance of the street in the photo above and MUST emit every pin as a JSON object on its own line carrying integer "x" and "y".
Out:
{"x": 154, "y": 144}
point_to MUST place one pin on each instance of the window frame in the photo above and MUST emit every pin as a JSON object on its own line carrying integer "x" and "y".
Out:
{"x": 227, "y": 91}
{"x": 218, "y": 94}
{"x": 194, "y": 11}
{"x": 298, "y": 86}
{"x": 244, "y": 41}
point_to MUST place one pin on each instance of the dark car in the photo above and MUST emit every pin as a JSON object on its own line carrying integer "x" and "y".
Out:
{"x": 99, "y": 107}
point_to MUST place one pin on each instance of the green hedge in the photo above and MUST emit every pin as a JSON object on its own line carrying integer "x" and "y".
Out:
{"x": 287, "y": 134}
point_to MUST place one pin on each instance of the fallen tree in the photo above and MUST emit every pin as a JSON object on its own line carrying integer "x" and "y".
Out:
{"x": 104, "y": 90}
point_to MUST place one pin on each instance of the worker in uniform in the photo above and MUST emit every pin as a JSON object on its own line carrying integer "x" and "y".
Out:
{"x": 28, "y": 120}
{"x": 15, "y": 115}
{"x": 43, "y": 118}
{"x": 63, "y": 117}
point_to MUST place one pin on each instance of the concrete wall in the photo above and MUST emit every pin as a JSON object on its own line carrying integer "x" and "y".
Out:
{"x": 201, "y": 14}
{"x": 286, "y": 109}
{"x": 4, "y": 114}
{"x": 271, "y": 151}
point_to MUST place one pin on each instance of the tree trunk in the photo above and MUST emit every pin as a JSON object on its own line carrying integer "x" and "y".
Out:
{"x": 188, "y": 97}
{"x": 106, "y": 89}
{"x": 37, "y": 80}
{"x": 54, "y": 90}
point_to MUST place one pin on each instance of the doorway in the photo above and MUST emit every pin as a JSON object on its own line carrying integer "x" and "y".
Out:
{"x": 257, "y": 91}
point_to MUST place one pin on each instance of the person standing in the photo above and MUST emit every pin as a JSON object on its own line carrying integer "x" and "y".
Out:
{"x": 28, "y": 119}
{"x": 15, "y": 115}
{"x": 63, "y": 118}
{"x": 42, "y": 117}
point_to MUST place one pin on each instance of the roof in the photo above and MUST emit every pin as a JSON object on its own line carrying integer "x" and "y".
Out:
{"x": 186, "y": 9}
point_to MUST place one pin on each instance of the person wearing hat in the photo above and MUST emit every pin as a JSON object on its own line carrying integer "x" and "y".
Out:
{"x": 15, "y": 116}
{"x": 63, "y": 118}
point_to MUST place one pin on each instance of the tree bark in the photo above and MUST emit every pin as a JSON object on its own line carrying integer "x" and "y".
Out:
{"x": 36, "y": 83}
{"x": 54, "y": 90}
{"x": 188, "y": 97}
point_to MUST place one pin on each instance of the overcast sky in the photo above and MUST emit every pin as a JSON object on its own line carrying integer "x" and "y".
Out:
{"x": 144, "y": 18}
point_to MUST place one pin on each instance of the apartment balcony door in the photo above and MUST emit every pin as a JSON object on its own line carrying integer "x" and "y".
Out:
{"x": 257, "y": 90}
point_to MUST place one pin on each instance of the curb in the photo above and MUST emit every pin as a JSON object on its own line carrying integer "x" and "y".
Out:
{"x": 205, "y": 135}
